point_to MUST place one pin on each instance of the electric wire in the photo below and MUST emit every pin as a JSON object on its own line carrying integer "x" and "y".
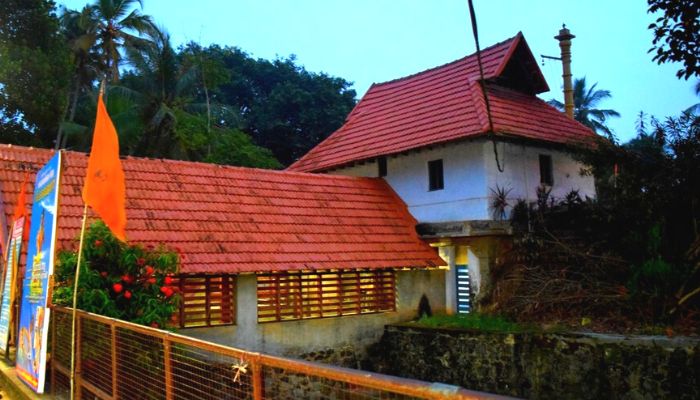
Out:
{"x": 482, "y": 84}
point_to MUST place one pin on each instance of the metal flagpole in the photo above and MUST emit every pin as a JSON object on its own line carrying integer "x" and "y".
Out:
{"x": 2, "y": 284}
{"x": 75, "y": 290}
{"x": 75, "y": 303}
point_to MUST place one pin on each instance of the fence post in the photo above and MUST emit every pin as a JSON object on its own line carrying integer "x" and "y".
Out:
{"x": 168, "y": 370}
{"x": 258, "y": 383}
{"x": 115, "y": 380}
{"x": 53, "y": 353}
{"x": 78, "y": 364}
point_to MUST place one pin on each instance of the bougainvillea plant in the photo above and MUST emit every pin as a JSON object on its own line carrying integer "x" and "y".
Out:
{"x": 119, "y": 280}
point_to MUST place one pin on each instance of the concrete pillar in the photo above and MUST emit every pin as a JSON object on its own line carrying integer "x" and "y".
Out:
{"x": 448, "y": 254}
{"x": 481, "y": 256}
{"x": 247, "y": 312}
{"x": 474, "y": 271}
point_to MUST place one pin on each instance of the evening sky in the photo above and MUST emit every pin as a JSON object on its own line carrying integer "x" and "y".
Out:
{"x": 367, "y": 41}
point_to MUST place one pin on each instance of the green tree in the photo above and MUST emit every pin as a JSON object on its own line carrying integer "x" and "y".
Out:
{"x": 677, "y": 34}
{"x": 279, "y": 103}
{"x": 34, "y": 72}
{"x": 585, "y": 102}
{"x": 157, "y": 111}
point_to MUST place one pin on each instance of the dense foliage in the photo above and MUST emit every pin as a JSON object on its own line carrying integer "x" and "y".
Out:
{"x": 625, "y": 258}
{"x": 118, "y": 280}
{"x": 677, "y": 34}
{"x": 215, "y": 104}
{"x": 284, "y": 107}
{"x": 34, "y": 72}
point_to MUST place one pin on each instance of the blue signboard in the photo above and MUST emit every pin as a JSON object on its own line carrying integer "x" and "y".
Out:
{"x": 34, "y": 314}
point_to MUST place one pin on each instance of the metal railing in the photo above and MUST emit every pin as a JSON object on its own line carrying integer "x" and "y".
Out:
{"x": 121, "y": 360}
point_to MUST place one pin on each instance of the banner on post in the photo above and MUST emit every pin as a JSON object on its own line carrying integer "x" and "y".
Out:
{"x": 12, "y": 256}
{"x": 34, "y": 314}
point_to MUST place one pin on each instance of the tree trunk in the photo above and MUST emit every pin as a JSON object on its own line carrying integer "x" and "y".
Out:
{"x": 71, "y": 105}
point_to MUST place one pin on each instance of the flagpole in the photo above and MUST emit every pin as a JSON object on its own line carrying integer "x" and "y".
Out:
{"x": 6, "y": 269}
{"x": 75, "y": 305}
{"x": 75, "y": 288}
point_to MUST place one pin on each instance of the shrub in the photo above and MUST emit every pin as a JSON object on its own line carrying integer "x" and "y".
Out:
{"x": 119, "y": 280}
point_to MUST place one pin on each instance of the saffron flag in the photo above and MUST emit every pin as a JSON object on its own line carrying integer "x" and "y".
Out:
{"x": 104, "y": 188}
{"x": 21, "y": 208}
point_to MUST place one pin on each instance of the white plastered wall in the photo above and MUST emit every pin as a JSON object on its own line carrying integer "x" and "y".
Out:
{"x": 470, "y": 172}
{"x": 464, "y": 196}
{"x": 521, "y": 171}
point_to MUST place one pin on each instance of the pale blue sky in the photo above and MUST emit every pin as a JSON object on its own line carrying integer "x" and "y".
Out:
{"x": 367, "y": 41}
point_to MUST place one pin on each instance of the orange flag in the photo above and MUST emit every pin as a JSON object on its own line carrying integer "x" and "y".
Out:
{"x": 21, "y": 207}
{"x": 104, "y": 188}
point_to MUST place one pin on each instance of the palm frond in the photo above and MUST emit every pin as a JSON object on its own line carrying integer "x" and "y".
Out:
{"x": 187, "y": 80}
{"x": 161, "y": 115}
{"x": 594, "y": 98}
{"x": 602, "y": 115}
{"x": 138, "y": 22}
{"x": 73, "y": 129}
{"x": 123, "y": 93}
{"x": 106, "y": 8}
{"x": 556, "y": 104}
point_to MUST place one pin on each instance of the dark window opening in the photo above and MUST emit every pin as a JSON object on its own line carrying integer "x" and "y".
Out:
{"x": 546, "y": 176}
{"x": 435, "y": 175}
{"x": 381, "y": 164}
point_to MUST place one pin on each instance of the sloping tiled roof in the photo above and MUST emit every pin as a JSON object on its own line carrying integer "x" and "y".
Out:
{"x": 231, "y": 219}
{"x": 445, "y": 104}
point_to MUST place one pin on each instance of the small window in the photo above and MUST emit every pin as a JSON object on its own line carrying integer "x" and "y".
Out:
{"x": 381, "y": 164}
{"x": 435, "y": 177}
{"x": 546, "y": 177}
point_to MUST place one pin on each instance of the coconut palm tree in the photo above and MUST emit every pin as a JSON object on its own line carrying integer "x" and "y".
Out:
{"x": 111, "y": 26}
{"x": 75, "y": 26}
{"x": 97, "y": 36}
{"x": 585, "y": 102}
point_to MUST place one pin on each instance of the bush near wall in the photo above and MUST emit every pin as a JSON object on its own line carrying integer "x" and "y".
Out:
{"x": 119, "y": 280}
{"x": 627, "y": 260}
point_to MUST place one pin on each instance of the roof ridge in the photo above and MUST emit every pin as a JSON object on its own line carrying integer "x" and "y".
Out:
{"x": 501, "y": 43}
{"x": 189, "y": 163}
{"x": 231, "y": 220}
{"x": 506, "y": 58}
{"x": 479, "y": 104}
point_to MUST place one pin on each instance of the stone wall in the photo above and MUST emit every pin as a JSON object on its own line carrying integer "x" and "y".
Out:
{"x": 544, "y": 366}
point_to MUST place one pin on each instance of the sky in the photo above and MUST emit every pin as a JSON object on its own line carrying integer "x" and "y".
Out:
{"x": 366, "y": 41}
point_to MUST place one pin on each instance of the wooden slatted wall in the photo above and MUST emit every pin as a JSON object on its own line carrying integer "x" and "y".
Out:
{"x": 206, "y": 300}
{"x": 319, "y": 294}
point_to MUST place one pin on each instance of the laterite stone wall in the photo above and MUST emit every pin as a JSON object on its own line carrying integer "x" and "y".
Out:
{"x": 544, "y": 366}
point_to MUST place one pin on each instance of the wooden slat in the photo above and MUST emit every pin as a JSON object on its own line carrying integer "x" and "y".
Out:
{"x": 317, "y": 294}
{"x": 206, "y": 300}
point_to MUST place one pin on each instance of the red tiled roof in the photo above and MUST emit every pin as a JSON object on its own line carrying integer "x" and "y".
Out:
{"x": 231, "y": 219}
{"x": 445, "y": 104}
